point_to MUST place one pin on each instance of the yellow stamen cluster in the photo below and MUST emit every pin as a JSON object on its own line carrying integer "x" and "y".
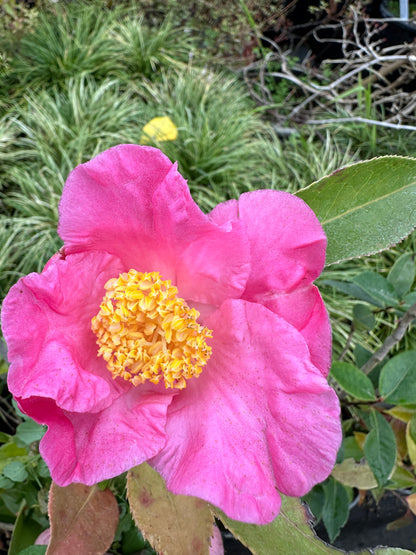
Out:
{"x": 146, "y": 332}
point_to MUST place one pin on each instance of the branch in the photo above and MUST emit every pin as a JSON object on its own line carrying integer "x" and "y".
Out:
{"x": 357, "y": 119}
{"x": 391, "y": 340}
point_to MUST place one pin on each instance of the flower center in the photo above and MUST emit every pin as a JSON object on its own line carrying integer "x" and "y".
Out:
{"x": 146, "y": 332}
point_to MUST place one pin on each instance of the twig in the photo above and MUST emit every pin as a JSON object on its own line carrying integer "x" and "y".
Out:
{"x": 347, "y": 343}
{"x": 358, "y": 119}
{"x": 391, "y": 340}
{"x": 367, "y": 67}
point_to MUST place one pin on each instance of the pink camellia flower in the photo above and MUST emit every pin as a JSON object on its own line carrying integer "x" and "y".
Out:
{"x": 195, "y": 342}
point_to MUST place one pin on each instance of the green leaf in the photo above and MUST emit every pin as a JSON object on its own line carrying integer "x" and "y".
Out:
{"x": 349, "y": 288}
{"x": 380, "y": 448}
{"x": 352, "y": 449}
{"x": 25, "y": 532}
{"x": 316, "y": 500}
{"x": 4, "y": 438}
{"x": 288, "y": 533}
{"x": 366, "y": 207}
{"x": 401, "y": 479}
{"x": 5, "y": 483}
{"x": 386, "y": 551}
{"x": 402, "y": 274}
{"x": 15, "y": 471}
{"x": 336, "y": 508}
{"x": 34, "y": 550}
{"x": 397, "y": 382}
{"x": 377, "y": 288}
{"x": 411, "y": 445}
{"x": 10, "y": 451}
{"x": 363, "y": 316}
{"x": 354, "y": 474}
{"x": 353, "y": 381}
{"x": 408, "y": 300}
{"x": 27, "y": 432}
{"x": 412, "y": 427}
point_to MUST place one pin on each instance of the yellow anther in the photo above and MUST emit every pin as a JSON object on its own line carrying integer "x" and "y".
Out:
{"x": 146, "y": 332}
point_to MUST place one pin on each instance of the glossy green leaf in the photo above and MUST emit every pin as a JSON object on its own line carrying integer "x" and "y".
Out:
{"x": 402, "y": 274}
{"x": 397, "y": 382}
{"x": 378, "y": 288}
{"x": 25, "y": 532}
{"x": 352, "y": 449}
{"x": 380, "y": 448}
{"x": 366, "y": 207}
{"x": 316, "y": 500}
{"x": 336, "y": 508}
{"x": 353, "y": 381}
{"x": 363, "y": 316}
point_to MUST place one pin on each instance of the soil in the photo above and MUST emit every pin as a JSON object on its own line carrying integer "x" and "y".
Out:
{"x": 370, "y": 525}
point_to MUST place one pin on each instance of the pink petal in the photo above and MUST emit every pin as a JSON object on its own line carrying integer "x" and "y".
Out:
{"x": 44, "y": 537}
{"x": 258, "y": 402}
{"x": 217, "y": 546}
{"x": 305, "y": 310}
{"x": 286, "y": 239}
{"x": 46, "y": 320}
{"x": 91, "y": 447}
{"x": 132, "y": 202}
{"x": 98, "y": 427}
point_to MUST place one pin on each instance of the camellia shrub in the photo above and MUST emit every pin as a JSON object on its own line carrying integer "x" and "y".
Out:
{"x": 192, "y": 350}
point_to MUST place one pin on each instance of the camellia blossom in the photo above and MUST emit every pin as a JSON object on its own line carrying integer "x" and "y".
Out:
{"x": 195, "y": 342}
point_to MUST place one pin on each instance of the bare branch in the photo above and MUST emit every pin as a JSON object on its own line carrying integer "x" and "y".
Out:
{"x": 366, "y": 63}
{"x": 391, "y": 340}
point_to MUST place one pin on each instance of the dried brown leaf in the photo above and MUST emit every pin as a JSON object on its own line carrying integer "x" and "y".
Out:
{"x": 83, "y": 520}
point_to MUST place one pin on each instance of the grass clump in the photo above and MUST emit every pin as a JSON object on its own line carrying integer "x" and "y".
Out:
{"x": 142, "y": 51}
{"x": 217, "y": 147}
{"x": 66, "y": 42}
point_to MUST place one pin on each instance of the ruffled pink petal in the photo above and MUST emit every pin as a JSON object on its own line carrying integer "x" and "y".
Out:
{"x": 305, "y": 310}
{"x": 259, "y": 402}
{"x": 46, "y": 320}
{"x": 90, "y": 447}
{"x": 286, "y": 239}
{"x": 132, "y": 202}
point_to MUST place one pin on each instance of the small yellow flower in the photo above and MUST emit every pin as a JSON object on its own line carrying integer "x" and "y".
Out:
{"x": 159, "y": 129}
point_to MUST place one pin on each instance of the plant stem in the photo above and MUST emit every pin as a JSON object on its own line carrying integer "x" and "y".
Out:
{"x": 391, "y": 340}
